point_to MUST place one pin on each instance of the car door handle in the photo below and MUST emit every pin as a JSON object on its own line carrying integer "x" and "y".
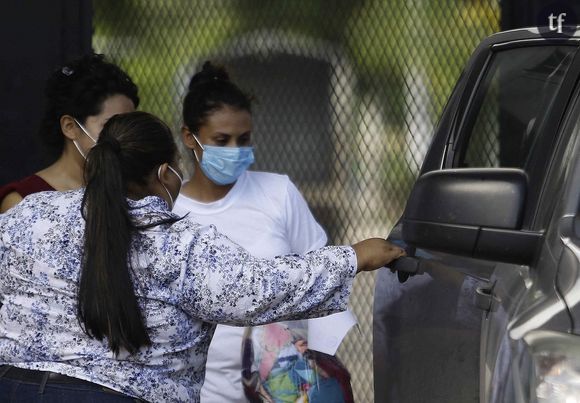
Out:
{"x": 406, "y": 266}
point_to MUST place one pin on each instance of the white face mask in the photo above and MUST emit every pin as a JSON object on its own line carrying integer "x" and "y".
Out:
{"x": 85, "y": 132}
{"x": 164, "y": 187}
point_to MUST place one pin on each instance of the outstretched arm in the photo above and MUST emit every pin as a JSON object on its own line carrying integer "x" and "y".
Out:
{"x": 225, "y": 284}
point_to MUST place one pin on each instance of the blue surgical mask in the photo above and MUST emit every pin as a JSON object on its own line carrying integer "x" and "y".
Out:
{"x": 224, "y": 165}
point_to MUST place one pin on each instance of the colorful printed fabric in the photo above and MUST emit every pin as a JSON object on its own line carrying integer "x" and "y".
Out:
{"x": 279, "y": 368}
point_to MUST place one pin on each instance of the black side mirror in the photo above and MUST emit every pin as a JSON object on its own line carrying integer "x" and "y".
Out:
{"x": 472, "y": 212}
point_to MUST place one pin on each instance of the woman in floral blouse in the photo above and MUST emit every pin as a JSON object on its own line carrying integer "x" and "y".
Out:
{"x": 108, "y": 296}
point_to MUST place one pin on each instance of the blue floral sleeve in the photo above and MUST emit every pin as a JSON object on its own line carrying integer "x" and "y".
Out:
{"x": 184, "y": 275}
{"x": 224, "y": 284}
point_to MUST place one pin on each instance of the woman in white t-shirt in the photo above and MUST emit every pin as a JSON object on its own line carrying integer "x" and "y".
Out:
{"x": 266, "y": 214}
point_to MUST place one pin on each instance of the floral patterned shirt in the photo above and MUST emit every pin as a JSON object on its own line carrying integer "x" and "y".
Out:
{"x": 187, "y": 278}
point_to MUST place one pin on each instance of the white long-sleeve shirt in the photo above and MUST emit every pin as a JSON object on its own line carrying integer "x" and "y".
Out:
{"x": 265, "y": 214}
{"x": 187, "y": 278}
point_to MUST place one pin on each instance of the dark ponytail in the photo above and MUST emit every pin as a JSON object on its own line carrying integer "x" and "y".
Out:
{"x": 210, "y": 90}
{"x": 129, "y": 148}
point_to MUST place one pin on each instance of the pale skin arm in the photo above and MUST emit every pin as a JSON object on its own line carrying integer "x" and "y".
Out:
{"x": 11, "y": 200}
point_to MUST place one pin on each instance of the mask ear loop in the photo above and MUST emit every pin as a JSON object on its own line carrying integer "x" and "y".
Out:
{"x": 79, "y": 149}
{"x": 201, "y": 145}
{"x": 167, "y": 191}
{"x": 85, "y": 130}
{"x": 175, "y": 172}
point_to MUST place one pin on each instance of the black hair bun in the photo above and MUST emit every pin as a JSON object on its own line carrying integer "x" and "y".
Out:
{"x": 209, "y": 73}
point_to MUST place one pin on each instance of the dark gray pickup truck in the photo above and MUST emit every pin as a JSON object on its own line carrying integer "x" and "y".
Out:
{"x": 486, "y": 307}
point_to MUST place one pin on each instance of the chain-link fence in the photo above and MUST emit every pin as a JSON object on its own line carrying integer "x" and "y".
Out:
{"x": 348, "y": 94}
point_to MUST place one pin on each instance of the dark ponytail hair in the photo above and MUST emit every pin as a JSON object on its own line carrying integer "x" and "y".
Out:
{"x": 130, "y": 147}
{"x": 210, "y": 90}
{"x": 79, "y": 89}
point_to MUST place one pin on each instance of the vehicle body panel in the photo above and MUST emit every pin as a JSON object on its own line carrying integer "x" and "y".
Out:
{"x": 454, "y": 332}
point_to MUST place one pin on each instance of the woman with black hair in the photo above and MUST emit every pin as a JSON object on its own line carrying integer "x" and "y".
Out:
{"x": 265, "y": 214}
{"x": 80, "y": 97}
{"x": 108, "y": 296}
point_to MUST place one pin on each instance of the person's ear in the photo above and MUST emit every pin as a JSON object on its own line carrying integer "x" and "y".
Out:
{"x": 170, "y": 184}
{"x": 187, "y": 137}
{"x": 164, "y": 174}
{"x": 69, "y": 127}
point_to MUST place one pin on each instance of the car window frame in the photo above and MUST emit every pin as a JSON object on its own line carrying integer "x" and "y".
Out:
{"x": 466, "y": 114}
{"x": 555, "y": 178}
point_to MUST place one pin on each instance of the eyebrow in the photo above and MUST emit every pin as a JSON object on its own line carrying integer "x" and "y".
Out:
{"x": 229, "y": 134}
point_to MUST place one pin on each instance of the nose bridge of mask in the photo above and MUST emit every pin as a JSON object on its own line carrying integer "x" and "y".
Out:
{"x": 223, "y": 156}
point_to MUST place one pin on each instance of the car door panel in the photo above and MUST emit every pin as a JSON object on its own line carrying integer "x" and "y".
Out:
{"x": 435, "y": 325}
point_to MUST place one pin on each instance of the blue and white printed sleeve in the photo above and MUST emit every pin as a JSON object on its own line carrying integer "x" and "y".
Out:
{"x": 224, "y": 284}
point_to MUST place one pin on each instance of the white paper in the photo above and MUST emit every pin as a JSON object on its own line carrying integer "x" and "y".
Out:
{"x": 325, "y": 334}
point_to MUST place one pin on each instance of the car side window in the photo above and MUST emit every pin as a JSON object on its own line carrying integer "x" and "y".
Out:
{"x": 510, "y": 106}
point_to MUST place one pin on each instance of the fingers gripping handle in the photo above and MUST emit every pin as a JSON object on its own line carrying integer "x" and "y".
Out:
{"x": 406, "y": 267}
{"x": 407, "y": 264}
